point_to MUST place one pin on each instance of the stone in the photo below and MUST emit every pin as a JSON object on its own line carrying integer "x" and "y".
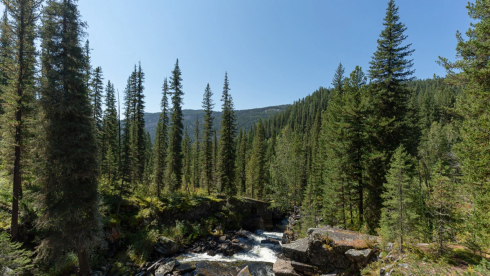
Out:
{"x": 304, "y": 268}
{"x": 296, "y": 250}
{"x": 166, "y": 246}
{"x": 386, "y": 271}
{"x": 186, "y": 268}
{"x": 244, "y": 272}
{"x": 165, "y": 268}
{"x": 360, "y": 257}
{"x": 283, "y": 268}
{"x": 327, "y": 246}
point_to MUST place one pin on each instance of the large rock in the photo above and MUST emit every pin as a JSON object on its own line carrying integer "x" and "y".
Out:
{"x": 304, "y": 268}
{"x": 166, "y": 246}
{"x": 165, "y": 268}
{"x": 283, "y": 268}
{"x": 244, "y": 272}
{"x": 360, "y": 257}
{"x": 297, "y": 250}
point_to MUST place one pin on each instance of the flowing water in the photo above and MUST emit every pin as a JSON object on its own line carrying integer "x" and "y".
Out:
{"x": 259, "y": 259}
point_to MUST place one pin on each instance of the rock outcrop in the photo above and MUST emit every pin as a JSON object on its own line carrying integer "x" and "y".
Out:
{"x": 329, "y": 248}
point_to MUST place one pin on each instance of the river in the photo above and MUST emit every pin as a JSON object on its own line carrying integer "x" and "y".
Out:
{"x": 259, "y": 258}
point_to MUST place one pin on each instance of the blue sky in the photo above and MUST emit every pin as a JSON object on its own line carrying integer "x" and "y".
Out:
{"x": 275, "y": 51}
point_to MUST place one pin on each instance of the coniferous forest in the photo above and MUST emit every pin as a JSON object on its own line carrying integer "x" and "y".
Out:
{"x": 86, "y": 188}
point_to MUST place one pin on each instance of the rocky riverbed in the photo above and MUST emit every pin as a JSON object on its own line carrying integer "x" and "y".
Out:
{"x": 234, "y": 253}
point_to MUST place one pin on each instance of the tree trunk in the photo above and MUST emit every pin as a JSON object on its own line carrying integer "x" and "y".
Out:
{"x": 84, "y": 269}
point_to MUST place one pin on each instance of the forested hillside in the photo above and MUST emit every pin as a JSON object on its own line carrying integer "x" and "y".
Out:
{"x": 245, "y": 118}
{"x": 89, "y": 183}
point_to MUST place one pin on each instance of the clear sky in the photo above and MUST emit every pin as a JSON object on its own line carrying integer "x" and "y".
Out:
{"x": 275, "y": 51}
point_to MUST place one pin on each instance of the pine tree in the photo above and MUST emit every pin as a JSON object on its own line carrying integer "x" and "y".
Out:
{"x": 442, "y": 203}
{"x": 398, "y": 217}
{"x": 174, "y": 157}
{"x": 226, "y": 162}
{"x": 88, "y": 71}
{"x": 161, "y": 141}
{"x": 96, "y": 100}
{"x": 207, "y": 147}
{"x": 241, "y": 162}
{"x": 140, "y": 134}
{"x": 471, "y": 70}
{"x": 354, "y": 128}
{"x": 196, "y": 172}
{"x": 18, "y": 55}
{"x": 5, "y": 56}
{"x": 187, "y": 160}
{"x": 110, "y": 135}
{"x": 389, "y": 72}
{"x": 338, "y": 78}
{"x": 257, "y": 163}
{"x": 69, "y": 215}
{"x": 310, "y": 202}
{"x": 286, "y": 169}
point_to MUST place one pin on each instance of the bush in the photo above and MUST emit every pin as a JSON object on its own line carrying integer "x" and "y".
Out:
{"x": 13, "y": 259}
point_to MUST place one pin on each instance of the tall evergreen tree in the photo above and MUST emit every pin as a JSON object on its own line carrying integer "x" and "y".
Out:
{"x": 87, "y": 69}
{"x": 139, "y": 122}
{"x": 187, "y": 161}
{"x": 110, "y": 135}
{"x": 161, "y": 141}
{"x": 196, "y": 172}
{"x": 256, "y": 170}
{"x": 471, "y": 70}
{"x": 18, "y": 55}
{"x": 338, "y": 78}
{"x": 69, "y": 215}
{"x": 207, "y": 146}
{"x": 226, "y": 162}
{"x": 241, "y": 162}
{"x": 398, "y": 217}
{"x": 96, "y": 99}
{"x": 174, "y": 157}
{"x": 389, "y": 72}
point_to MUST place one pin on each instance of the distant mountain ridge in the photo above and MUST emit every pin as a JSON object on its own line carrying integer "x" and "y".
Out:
{"x": 245, "y": 118}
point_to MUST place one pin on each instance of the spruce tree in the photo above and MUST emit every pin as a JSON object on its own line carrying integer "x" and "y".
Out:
{"x": 187, "y": 161}
{"x": 241, "y": 162}
{"x": 389, "y": 71}
{"x": 196, "y": 173}
{"x": 110, "y": 135}
{"x": 69, "y": 215}
{"x": 18, "y": 56}
{"x": 96, "y": 99}
{"x": 174, "y": 157}
{"x": 5, "y": 56}
{"x": 398, "y": 217}
{"x": 471, "y": 70}
{"x": 257, "y": 163}
{"x": 161, "y": 141}
{"x": 226, "y": 162}
{"x": 442, "y": 203}
{"x": 207, "y": 146}
{"x": 139, "y": 123}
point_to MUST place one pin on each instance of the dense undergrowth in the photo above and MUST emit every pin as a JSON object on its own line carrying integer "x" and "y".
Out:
{"x": 130, "y": 234}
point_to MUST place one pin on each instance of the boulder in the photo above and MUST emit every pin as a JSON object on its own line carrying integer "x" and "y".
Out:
{"x": 304, "y": 268}
{"x": 283, "y": 268}
{"x": 327, "y": 246}
{"x": 166, "y": 246}
{"x": 185, "y": 268}
{"x": 244, "y": 272}
{"x": 165, "y": 268}
{"x": 360, "y": 257}
{"x": 297, "y": 250}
